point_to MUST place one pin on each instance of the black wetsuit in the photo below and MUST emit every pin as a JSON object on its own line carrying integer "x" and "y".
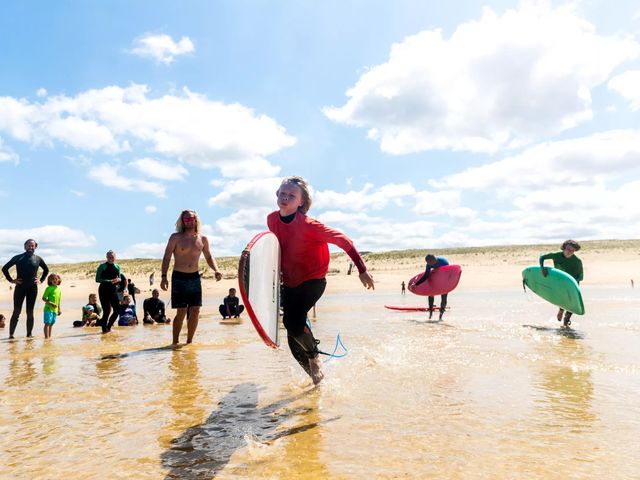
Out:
{"x": 154, "y": 307}
{"x": 27, "y": 265}
{"x": 231, "y": 307}
{"x": 107, "y": 292}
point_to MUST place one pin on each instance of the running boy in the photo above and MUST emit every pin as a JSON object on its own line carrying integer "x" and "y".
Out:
{"x": 304, "y": 263}
{"x": 51, "y": 299}
{"x": 568, "y": 262}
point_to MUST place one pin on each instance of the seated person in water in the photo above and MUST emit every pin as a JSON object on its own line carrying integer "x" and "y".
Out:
{"x": 433, "y": 262}
{"x": 91, "y": 313}
{"x": 154, "y": 309}
{"x": 127, "y": 316}
{"x": 231, "y": 306}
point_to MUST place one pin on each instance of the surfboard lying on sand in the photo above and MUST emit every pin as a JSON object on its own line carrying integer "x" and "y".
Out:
{"x": 441, "y": 280}
{"x": 404, "y": 308}
{"x": 558, "y": 288}
{"x": 259, "y": 282}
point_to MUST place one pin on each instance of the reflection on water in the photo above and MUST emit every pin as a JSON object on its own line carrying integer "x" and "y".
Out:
{"x": 567, "y": 386}
{"x": 21, "y": 369}
{"x": 488, "y": 393}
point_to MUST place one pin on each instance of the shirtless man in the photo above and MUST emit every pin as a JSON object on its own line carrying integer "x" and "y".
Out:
{"x": 186, "y": 245}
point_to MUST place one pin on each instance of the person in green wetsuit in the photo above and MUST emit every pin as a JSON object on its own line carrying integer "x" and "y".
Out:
{"x": 567, "y": 261}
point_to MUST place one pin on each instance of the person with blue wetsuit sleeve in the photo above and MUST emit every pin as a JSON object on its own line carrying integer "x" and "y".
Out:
{"x": 434, "y": 262}
{"x": 26, "y": 283}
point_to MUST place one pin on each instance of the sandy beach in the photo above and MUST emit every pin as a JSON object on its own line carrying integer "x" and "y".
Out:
{"x": 496, "y": 390}
{"x": 610, "y": 263}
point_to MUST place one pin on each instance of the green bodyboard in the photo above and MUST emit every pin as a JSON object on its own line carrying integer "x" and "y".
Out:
{"x": 558, "y": 288}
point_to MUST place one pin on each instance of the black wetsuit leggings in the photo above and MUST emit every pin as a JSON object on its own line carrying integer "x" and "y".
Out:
{"x": 22, "y": 291}
{"x": 108, "y": 301}
{"x": 296, "y": 303}
{"x": 443, "y": 302}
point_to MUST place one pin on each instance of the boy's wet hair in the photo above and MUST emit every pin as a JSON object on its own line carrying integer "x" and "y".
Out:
{"x": 52, "y": 277}
{"x": 304, "y": 188}
{"x": 429, "y": 256}
{"x": 571, "y": 243}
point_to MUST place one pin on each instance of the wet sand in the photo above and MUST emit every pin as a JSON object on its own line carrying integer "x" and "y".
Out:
{"x": 496, "y": 390}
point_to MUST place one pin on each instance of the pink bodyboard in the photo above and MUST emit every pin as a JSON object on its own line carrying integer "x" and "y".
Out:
{"x": 441, "y": 280}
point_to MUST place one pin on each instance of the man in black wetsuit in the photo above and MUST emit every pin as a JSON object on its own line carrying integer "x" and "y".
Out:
{"x": 26, "y": 283}
{"x": 154, "y": 309}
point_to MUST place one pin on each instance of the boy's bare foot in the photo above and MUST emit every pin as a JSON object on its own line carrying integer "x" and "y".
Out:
{"x": 559, "y": 316}
{"x": 316, "y": 370}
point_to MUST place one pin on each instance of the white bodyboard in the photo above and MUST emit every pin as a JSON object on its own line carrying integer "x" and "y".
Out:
{"x": 259, "y": 282}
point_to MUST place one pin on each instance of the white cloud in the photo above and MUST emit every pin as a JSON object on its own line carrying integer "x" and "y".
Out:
{"x": 78, "y": 193}
{"x": 143, "y": 250}
{"x": 41, "y": 92}
{"x": 434, "y": 203}
{"x": 151, "y": 209}
{"x": 582, "y": 161}
{"x": 162, "y": 48}
{"x": 160, "y": 170}
{"x": 190, "y": 127}
{"x": 230, "y": 234}
{"x": 498, "y": 82}
{"x": 7, "y": 154}
{"x": 52, "y": 241}
{"x": 627, "y": 84}
{"x": 247, "y": 193}
{"x": 382, "y": 234}
{"x": 17, "y": 117}
{"x": 109, "y": 176}
{"x": 83, "y": 134}
{"x": 365, "y": 199}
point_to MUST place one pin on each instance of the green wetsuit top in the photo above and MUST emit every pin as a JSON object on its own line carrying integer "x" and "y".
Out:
{"x": 107, "y": 272}
{"x": 53, "y": 293}
{"x": 571, "y": 265}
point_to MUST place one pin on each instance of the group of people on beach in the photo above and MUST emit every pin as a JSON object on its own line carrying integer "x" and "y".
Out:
{"x": 304, "y": 266}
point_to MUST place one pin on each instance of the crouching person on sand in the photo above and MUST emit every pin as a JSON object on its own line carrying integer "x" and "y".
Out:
{"x": 231, "y": 305}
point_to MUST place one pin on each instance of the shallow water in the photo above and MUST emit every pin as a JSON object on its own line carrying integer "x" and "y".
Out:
{"x": 496, "y": 390}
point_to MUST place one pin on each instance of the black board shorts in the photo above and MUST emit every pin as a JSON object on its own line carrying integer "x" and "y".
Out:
{"x": 186, "y": 290}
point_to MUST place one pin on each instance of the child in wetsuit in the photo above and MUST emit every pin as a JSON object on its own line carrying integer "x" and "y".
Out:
{"x": 127, "y": 316}
{"x": 304, "y": 263}
{"x": 51, "y": 299}
{"x": 568, "y": 262}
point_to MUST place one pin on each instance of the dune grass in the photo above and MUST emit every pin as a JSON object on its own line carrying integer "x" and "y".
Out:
{"x": 139, "y": 269}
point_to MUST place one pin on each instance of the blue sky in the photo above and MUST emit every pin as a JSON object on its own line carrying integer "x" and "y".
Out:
{"x": 418, "y": 124}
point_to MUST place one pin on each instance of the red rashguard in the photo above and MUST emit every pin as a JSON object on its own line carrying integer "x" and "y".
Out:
{"x": 304, "y": 249}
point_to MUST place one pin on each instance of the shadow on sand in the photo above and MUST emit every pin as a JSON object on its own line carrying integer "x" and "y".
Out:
{"x": 166, "y": 348}
{"x": 430, "y": 322}
{"x": 202, "y": 451}
{"x": 561, "y": 331}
